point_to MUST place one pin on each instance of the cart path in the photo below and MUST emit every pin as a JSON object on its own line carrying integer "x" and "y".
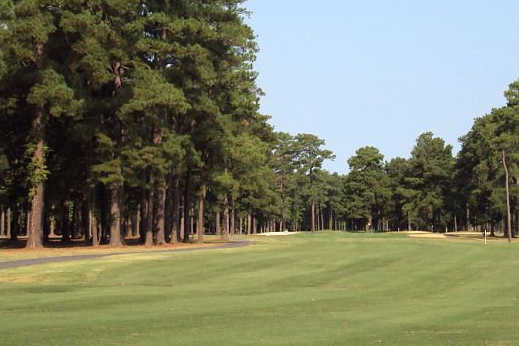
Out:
{"x": 60, "y": 259}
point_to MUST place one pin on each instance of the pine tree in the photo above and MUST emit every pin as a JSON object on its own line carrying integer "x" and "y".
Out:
{"x": 37, "y": 88}
{"x": 367, "y": 186}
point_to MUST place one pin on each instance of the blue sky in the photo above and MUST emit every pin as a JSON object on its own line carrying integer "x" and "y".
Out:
{"x": 381, "y": 72}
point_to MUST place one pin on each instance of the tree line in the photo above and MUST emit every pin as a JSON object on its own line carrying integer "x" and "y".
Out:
{"x": 140, "y": 119}
{"x": 432, "y": 189}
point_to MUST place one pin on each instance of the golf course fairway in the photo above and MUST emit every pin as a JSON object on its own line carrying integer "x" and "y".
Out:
{"x": 326, "y": 288}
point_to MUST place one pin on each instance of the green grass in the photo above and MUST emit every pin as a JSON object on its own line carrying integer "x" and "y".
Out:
{"x": 320, "y": 289}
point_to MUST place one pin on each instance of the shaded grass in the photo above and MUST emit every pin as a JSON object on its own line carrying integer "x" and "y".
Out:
{"x": 308, "y": 289}
{"x": 13, "y": 252}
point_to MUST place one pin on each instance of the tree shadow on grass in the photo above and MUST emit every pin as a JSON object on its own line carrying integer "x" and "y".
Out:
{"x": 58, "y": 243}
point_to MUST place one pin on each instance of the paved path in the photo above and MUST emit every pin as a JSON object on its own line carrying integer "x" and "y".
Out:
{"x": 45, "y": 260}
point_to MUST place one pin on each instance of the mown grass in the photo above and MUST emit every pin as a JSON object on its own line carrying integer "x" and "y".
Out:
{"x": 308, "y": 289}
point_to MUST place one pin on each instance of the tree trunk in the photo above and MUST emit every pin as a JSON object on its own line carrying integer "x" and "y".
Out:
{"x": 93, "y": 220}
{"x": 138, "y": 222}
{"x": 175, "y": 217}
{"x": 182, "y": 225}
{"x": 254, "y": 225}
{"x": 187, "y": 203}
{"x": 249, "y": 223}
{"x": 2, "y": 223}
{"x": 126, "y": 230}
{"x": 168, "y": 210}
{"x": 200, "y": 223}
{"x": 318, "y": 216}
{"x": 35, "y": 230}
{"x": 148, "y": 222}
{"x": 161, "y": 208}
{"x": 321, "y": 218}
{"x": 143, "y": 222}
{"x": 317, "y": 219}
{"x": 313, "y": 216}
{"x": 227, "y": 223}
{"x": 455, "y": 223}
{"x": 241, "y": 225}
{"x": 191, "y": 221}
{"x": 509, "y": 217}
{"x": 135, "y": 222}
{"x": 52, "y": 233}
{"x": 115, "y": 216}
{"x": 93, "y": 224}
{"x": 232, "y": 229}
{"x": 218, "y": 229}
{"x": 225, "y": 234}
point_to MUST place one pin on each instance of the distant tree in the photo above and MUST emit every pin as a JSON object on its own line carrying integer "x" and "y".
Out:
{"x": 310, "y": 156}
{"x": 398, "y": 171}
{"x": 284, "y": 166}
{"x": 431, "y": 170}
{"x": 367, "y": 187}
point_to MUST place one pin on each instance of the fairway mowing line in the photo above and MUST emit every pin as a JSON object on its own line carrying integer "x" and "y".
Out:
{"x": 60, "y": 259}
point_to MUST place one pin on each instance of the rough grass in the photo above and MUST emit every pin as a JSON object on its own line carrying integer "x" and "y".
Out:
{"x": 308, "y": 289}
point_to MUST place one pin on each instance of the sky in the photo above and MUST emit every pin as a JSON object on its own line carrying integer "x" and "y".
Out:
{"x": 381, "y": 72}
